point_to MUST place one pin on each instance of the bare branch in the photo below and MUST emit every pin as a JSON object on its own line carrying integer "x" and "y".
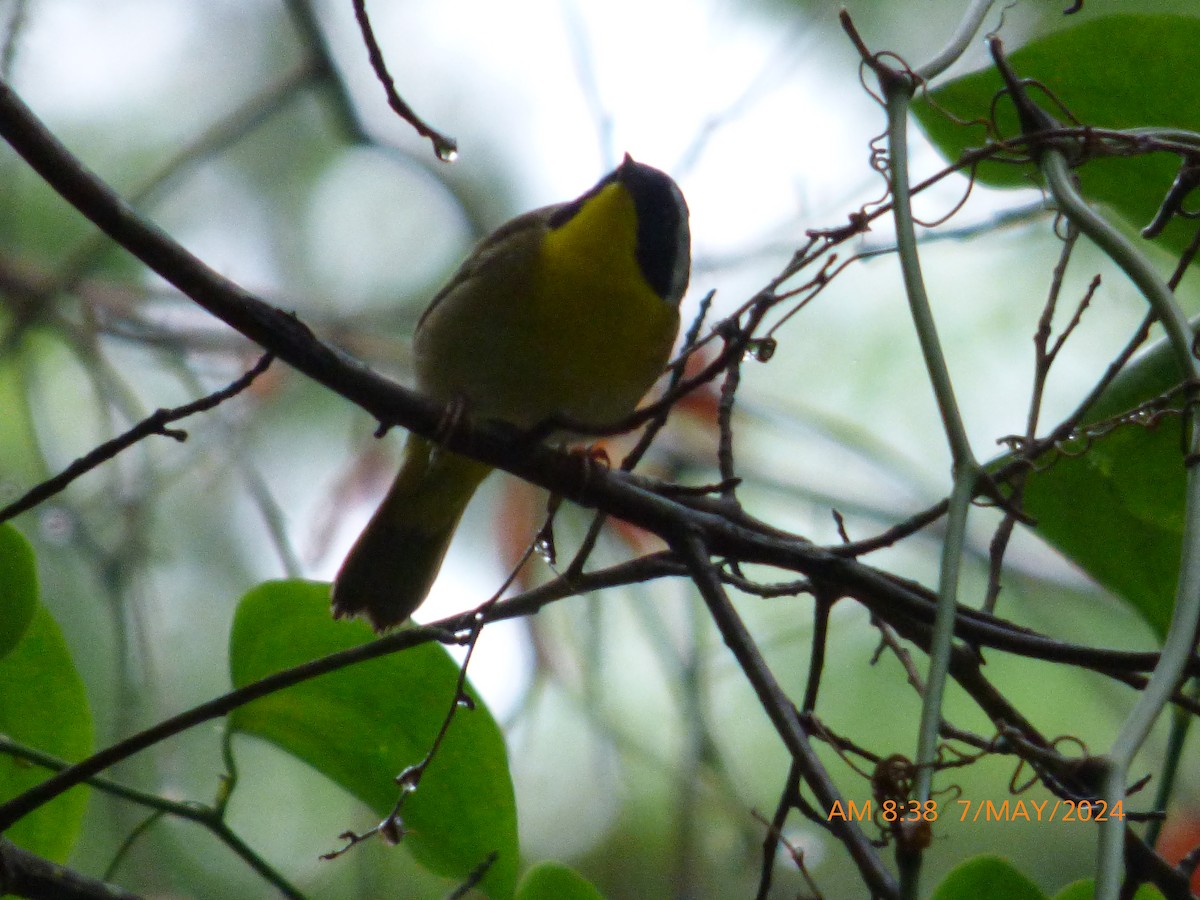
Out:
{"x": 156, "y": 423}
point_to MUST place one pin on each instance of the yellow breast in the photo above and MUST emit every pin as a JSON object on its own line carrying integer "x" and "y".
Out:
{"x": 560, "y": 321}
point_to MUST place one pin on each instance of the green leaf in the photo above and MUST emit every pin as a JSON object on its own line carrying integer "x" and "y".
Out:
{"x": 1086, "y": 890}
{"x": 1115, "y": 506}
{"x": 555, "y": 881}
{"x": 987, "y": 878}
{"x": 1117, "y": 512}
{"x": 18, "y": 587}
{"x": 1121, "y": 71}
{"x": 37, "y": 668}
{"x": 363, "y": 725}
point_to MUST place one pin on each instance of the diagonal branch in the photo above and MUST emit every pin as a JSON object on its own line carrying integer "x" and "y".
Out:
{"x": 25, "y": 874}
{"x": 780, "y": 710}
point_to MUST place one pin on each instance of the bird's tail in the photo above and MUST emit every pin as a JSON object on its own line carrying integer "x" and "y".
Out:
{"x": 392, "y": 565}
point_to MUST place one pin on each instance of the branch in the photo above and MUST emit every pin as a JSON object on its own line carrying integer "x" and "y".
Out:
{"x": 445, "y": 630}
{"x": 781, "y": 711}
{"x": 26, "y": 874}
{"x": 156, "y": 423}
{"x": 1180, "y": 640}
{"x": 25, "y": 803}
{"x": 289, "y": 339}
{"x": 445, "y": 147}
{"x": 209, "y": 817}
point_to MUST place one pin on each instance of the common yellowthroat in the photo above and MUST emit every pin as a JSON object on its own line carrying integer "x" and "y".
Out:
{"x": 571, "y": 310}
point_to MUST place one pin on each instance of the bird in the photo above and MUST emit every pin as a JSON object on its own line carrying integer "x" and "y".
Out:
{"x": 569, "y": 311}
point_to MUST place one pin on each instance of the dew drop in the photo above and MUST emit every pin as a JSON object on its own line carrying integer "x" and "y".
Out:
{"x": 761, "y": 349}
{"x": 392, "y": 831}
{"x": 544, "y": 547}
{"x": 409, "y": 779}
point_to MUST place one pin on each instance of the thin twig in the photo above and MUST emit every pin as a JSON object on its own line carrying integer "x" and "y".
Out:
{"x": 1044, "y": 356}
{"x": 208, "y": 817}
{"x": 774, "y": 835}
{"x": 156, "y": 423}
{"x": 445, "y": 147}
